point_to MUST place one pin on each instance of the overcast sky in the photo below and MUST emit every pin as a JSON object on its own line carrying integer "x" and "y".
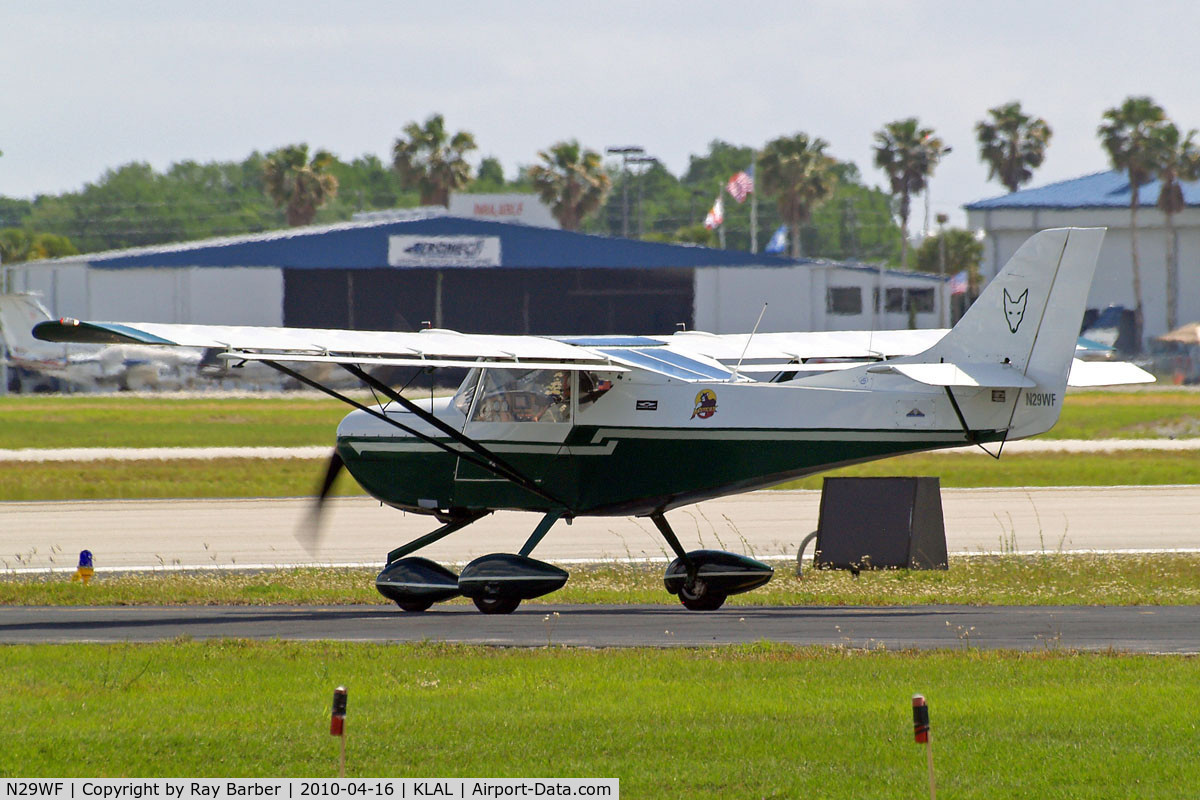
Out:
{"x": 88, "y": 86}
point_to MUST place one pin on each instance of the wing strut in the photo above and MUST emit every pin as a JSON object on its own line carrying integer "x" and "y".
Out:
{"x": 489, "y": 461}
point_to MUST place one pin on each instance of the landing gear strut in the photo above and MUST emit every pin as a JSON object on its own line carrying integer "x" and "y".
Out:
{"x": 703, "y": 579}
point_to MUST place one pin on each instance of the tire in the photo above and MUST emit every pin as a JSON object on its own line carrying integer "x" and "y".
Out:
{"x": 699, "y": 597}
{"x": 497, "y": 605}
{"x": 415, "y": 607}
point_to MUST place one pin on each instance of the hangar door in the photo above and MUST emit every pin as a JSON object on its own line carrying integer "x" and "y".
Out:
{"x": 486, "y": 300}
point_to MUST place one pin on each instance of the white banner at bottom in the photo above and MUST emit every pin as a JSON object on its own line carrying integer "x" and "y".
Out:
{"x": 302, "y": 788}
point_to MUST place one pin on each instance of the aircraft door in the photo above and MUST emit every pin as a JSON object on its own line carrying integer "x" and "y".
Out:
{"x": 523, "y": 415}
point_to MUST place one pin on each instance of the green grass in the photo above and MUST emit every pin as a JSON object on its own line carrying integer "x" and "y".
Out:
{"x": 226, "y": 477}
{"x": 738, "y": 722}
{"x": 1152, "y": 413}
{"x": 120, "y": 421}
{"x": 239, "y": 477}
{"x": 1049, "y": 579}
{"x": 285, "y": 421}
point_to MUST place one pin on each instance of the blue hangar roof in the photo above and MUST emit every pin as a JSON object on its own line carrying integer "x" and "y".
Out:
{"x": 1100, "y": 190}
{"x": 365, "y": 245}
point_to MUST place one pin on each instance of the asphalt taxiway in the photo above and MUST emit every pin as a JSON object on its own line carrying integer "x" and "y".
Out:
{"x": 1159, "y": 629}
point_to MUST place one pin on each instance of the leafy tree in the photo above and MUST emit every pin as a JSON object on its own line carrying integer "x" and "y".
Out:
{"x": 490, "y": 178}
{"x": 1174, "y": 158}
{"x": 366, "y": 183}
{"x": 796, "y": 170}
{"x": 298, "y": 185}
{"x": 572, "y": 181}
{"x": 963, "y": 252}
{"x": 433, "y": 161}
{"x": 1012, "y": 144}
{"x": 1125, "y": 134}
{"x": 908, "y": 154}
{"x": 18, "y": 245}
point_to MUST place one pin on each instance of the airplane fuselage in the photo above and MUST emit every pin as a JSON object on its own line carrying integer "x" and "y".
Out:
{"x": 652, "y": 443}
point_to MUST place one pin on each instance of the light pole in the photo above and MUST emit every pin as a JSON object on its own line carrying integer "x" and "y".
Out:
{"x": 625, "y": 151}
{"x": 645, "y": 161}
{"x": 942, "y": 219}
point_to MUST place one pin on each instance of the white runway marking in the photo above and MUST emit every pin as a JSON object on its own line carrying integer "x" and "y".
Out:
{"x": 241, "y": 534}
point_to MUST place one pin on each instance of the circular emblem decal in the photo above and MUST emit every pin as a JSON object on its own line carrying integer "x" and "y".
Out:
{"x": 706, "y": 404}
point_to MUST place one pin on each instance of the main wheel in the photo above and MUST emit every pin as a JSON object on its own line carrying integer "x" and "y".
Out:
{"x": 697, "y": 596}
{"x": 497, "y": 605}
{"x": 414, "y": 607}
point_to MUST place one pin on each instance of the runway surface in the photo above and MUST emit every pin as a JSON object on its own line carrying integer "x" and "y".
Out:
{"x": 1163, "y": 629}
{"x": 246, "y": 533}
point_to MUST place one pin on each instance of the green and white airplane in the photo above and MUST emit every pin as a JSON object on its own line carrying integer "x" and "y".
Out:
{"x": 640, "y": 425}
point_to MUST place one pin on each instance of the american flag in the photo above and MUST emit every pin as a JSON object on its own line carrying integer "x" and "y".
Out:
{"x": 958, "y": 283}
{"x": 741, "y": 185}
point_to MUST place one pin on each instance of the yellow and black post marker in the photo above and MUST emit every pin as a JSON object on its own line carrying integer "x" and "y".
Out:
{"x": 337, "y": 725}
{"x": 921, "y": 734}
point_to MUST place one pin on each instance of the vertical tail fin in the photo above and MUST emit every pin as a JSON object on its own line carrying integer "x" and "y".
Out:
{"x": 1029, "y": 317}
{"x": 18, "y": 314}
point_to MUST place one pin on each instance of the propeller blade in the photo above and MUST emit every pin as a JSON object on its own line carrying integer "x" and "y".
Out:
{"x": 309, "y": 534}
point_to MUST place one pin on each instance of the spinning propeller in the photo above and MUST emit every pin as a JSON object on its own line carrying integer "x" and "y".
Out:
{"x": 309, "y": 533}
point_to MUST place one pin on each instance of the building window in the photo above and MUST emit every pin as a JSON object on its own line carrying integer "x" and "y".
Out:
{"x": 844, "y": 300}
{"x": 921, "y": 300}
{"x": 895, "y": 301}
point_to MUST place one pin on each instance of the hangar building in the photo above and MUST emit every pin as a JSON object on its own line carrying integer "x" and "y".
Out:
{"x": 474, "y": 275}
{"x": 1102, "y": 200}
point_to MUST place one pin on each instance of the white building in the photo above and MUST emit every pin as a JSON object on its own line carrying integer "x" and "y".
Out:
{"x": 1102, "y": 200}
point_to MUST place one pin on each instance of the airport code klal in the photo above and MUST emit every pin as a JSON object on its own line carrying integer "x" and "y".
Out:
{"x": 399, "y": 789}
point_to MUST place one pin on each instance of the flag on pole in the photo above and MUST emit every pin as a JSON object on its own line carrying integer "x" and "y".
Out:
{"x": 741, "y": 185}
{"x": 958, "y": 283}
{"x": 716, "y": 215}
{"x": 778, "y": 241}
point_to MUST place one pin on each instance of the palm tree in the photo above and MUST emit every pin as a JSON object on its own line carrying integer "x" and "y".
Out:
{"x": 1012, "y": 144}
{"x": 297, "y": 184}
{"x": 1175, "y": 158}
{"x": 908, "y": 154}
{"x": 1125, "y": 134}
{"x": 797, "y": 171}
{"x": 572, "y": 181}
{"x": 432, "y": 161}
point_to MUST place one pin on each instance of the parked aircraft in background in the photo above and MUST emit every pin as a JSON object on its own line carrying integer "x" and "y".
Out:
{"x": 640, "y": 425}
{"x": 41, "y": 366}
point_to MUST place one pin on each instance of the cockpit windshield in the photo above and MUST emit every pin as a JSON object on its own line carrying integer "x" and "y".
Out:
{"x": 539, "y": 395}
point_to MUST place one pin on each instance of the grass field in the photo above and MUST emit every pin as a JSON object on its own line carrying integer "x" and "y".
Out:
{"x": 286, "y": 421}
{"x": 240, "y": 477}
{"x": 762, "y": 721}
{"x": 1050, "y": 579}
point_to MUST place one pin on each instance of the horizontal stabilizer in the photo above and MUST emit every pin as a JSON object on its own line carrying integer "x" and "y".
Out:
{"x": 1106, "y": 373}
{"x": 984, "y": 376}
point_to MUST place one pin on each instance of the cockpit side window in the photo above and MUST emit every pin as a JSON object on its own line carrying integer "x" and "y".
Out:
{"x": 540, "y": 395}
{"x": 592, "y": 386}
{"x": 466, "y": 391}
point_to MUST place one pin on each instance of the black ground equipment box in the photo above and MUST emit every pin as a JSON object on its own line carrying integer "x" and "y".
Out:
{"x": 874, "y": 523}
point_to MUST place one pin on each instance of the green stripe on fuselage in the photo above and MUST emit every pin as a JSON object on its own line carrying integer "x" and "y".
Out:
{"x": 622, "y": 470}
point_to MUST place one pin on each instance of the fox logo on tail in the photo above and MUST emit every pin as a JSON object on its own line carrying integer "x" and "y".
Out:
{"x": 1014, "y": 309}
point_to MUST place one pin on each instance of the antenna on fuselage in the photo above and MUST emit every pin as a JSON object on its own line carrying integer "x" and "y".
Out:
{"x": 748, "y": 338}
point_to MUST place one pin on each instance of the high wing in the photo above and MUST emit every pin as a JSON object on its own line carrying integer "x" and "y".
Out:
{"x": 822, "y": 351}
{"x": 427, "y": 348}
